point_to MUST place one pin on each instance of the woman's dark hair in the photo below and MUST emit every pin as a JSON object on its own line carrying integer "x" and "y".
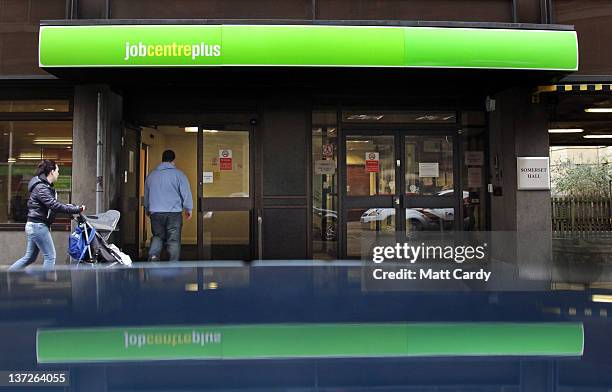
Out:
{"x": 45, "y": 167}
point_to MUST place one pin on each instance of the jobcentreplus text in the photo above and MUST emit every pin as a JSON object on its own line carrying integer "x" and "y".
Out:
{"x": 409, "y": 253}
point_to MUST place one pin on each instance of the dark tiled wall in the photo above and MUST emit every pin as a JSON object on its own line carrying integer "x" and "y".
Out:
{"x": 19, "y": 21}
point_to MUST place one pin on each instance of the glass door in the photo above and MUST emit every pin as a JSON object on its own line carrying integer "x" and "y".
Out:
{"x": 225, "y": 194}
{"x": 398, "y": 181}
{"x": 370, "y": 187}
{"x": 429, "y": 196}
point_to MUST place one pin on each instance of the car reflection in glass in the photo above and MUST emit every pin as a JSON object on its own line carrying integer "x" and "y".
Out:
{"x": 419, "y": 219}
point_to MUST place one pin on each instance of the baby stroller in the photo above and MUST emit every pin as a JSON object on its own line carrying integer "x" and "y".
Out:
{"x": 89, "y": 241}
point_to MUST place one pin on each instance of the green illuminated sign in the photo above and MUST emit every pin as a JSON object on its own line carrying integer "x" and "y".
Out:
{"x": 309, "y": 341}
{"x": 308, "y": 46}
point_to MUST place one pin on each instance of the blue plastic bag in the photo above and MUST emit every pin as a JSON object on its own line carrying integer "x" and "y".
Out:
{"x": 77, "y": 243}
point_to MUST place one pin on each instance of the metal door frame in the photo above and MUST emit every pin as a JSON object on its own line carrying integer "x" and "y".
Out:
{"x": 125, "y": 129}
{"x": 399, "y": 132}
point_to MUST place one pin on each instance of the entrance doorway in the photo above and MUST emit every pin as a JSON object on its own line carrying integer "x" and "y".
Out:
{"x": 226, "y": 195}
{"x": 218, "y": 162}
{"x": 399, "y": 181}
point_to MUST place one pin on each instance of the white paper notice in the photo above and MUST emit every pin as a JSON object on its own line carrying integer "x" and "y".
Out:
{"x": 325, "y": 166}
{"x": 207, "y": 177}
{"x": 429, "y": 169}
{"x": 474, "y": 177}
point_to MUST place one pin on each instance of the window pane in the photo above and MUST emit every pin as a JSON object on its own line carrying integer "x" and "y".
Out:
{"x": 324, "y": 184}
{"x": 226, "y": 163}
{"x": 429, "y": 165}
{"x": 429, "y": 219}
{"x": 364, "y": 221}
{"x": 370, "y": 165}
{"x": 22, "y": 145}
{"x": 227, "y": 235}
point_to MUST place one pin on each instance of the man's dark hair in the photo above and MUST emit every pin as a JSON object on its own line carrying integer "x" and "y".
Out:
{"x": 45, "y": 167}
{"x": 168, "y": 156}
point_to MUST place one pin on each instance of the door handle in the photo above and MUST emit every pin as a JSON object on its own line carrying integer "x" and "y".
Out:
{"x": 259, "y": 236}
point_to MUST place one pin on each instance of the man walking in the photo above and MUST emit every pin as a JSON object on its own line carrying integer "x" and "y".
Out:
{"x": 167, "y": 194}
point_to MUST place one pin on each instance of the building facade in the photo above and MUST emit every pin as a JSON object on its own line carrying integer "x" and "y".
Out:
{"x": 301, "y": 125}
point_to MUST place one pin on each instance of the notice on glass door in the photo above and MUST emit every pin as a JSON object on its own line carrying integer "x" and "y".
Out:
{"x": 372, "y": 162}
{"x": 325, "y": 166}
{"x": 429, "y": 169}
{"x": 225, "y": 159}
{"x": 208, "y": 177}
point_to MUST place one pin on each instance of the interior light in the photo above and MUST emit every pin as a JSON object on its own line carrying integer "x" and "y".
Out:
{"x": 12, "y": 160}
{"x": 566, "y": 130}
{"x": 213, "y": 285}
{"x": 195, "y": 130}
{"x": 598, "y": 110}
{"x": 191, "y": 287}
{"x": 52, "y": 141}
{"x": 602, "y": 298}
{"x": 597, "y": 136}
{"x": 25, "y": 156}
{"x": 49, "y": 109}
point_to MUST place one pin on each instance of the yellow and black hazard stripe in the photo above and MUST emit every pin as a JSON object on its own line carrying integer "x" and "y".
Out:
{"x": 571, "y": 88}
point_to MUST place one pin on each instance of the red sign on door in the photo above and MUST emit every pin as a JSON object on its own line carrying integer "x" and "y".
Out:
{"x": 225, "y": 159}
{"x": 372, "y": 162}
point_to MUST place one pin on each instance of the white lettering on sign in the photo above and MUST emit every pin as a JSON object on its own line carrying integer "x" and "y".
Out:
{"x": 533, "y": 173}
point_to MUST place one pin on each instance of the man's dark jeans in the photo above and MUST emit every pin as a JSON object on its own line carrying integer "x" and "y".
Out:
{"x": 166, "y": 227}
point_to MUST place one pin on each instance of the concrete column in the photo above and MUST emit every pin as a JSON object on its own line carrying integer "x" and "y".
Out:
{"x": 87, "y": 289}
{"x": 84, "y": 145}
{"x": 85, "y": 125}
{"x": 520, "y": 128}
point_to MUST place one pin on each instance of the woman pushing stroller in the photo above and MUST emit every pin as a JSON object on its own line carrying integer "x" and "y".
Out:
{"x": 42, "y": 207}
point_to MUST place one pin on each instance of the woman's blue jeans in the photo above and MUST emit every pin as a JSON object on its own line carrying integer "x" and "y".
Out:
{"x": 39, "y": 239}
